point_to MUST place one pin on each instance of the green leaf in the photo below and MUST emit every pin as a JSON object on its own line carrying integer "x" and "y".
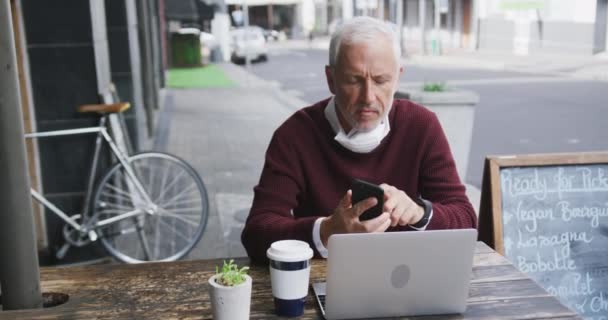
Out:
{"x": 231, "y": 275}
{"x": 434, "y": 87}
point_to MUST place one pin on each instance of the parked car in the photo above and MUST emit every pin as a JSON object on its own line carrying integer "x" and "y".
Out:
{"x": 271, "y": 35}
{"x": 248, "y": 42}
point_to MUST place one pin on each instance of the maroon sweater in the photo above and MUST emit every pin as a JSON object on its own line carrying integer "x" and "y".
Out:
{"x": 308, "y": 172}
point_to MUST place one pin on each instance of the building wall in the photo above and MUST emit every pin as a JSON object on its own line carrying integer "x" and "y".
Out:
{"x": 73, "y": 50}
{"x": 566, "y": 27}
{"x": 561, "y": 36}
{"x": 449, "y": 36}
{"x": 496, "y": 34}
{"x": 600, "y": 41}
{"x": 61, "y": 47}
{"x": 550, "y": 37}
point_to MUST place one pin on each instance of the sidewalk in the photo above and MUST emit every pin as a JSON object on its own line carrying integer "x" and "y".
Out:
{"x": 223, "y": 133}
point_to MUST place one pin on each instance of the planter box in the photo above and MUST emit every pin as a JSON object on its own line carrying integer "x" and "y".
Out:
{"x": 455, "y": 109}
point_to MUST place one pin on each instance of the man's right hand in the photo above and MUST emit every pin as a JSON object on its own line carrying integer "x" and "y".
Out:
{"x": 345, "y": 218}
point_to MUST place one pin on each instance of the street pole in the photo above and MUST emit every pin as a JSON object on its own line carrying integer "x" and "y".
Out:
{"x": 421, "y": 19}
{"x": 399, "y": 23}
{"x": 19, "y": 272}
{"x": 246, "y": 24}
{"x": 437, "y": 21}
{"x": 474, "y": 30}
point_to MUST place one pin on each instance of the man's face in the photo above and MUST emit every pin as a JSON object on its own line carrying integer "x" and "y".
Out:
{"x": 363, "y": 81}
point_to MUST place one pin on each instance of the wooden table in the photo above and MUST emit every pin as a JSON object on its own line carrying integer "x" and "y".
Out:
{"x": 178, "y": 290}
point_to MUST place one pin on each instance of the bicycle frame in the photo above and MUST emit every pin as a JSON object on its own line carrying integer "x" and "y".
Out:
{"x": 102, "y": 133}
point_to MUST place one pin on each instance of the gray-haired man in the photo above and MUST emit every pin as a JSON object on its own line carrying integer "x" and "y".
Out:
{"x": 360, "y": 132}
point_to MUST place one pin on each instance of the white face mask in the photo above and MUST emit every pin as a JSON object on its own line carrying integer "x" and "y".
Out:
{"x": 356, "y": 140}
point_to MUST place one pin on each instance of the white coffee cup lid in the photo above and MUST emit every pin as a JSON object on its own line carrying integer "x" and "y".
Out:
{"x": 289, "y": 251}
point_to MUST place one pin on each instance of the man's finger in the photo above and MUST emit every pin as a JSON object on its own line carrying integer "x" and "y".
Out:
{"x": 346, "y": 199}
{"x": 379, "y": 223}
{"x": 390, "y": 204}
{"x": 384, "y": 226}
{"x": 396, "y": 214}
{"x": 395, "y": 218}
{"x": 361, "y": 206}
{"x": 385, "y": 187}
{"x": 405, "y": 219}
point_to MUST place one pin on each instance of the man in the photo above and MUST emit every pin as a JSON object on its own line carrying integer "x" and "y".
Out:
{"x": 362, "y": 133}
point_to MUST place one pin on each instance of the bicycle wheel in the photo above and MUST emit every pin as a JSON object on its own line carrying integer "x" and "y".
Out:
{"x": 169, "y": 227}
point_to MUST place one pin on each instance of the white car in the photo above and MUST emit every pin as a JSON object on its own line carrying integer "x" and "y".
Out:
{"x": 248, "y": 42}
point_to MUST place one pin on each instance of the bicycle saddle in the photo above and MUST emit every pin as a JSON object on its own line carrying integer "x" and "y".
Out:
{"x": 104, "y": 108}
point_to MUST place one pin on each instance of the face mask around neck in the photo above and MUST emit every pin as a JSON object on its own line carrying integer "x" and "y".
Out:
{"x": 362, "y": 141}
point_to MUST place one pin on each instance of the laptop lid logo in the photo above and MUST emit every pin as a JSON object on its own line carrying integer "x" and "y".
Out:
{"x": 400, "y": 276}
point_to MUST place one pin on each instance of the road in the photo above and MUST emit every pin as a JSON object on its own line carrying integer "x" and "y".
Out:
{"x": 518, "y": 113}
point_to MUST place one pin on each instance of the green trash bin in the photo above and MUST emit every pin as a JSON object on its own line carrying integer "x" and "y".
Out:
{"x": 185, "y": 50}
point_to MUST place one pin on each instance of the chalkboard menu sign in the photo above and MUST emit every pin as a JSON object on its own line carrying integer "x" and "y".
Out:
{"x": 548, "y": 215}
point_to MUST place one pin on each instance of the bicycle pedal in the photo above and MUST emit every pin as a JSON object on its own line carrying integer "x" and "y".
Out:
{"x": 63, "y": 251}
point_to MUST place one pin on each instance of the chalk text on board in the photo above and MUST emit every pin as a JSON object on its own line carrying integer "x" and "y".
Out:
{"x": 585, "y": 212}
{"x": 527, "y": 185}
{"x": 591, "y": 181}
{"x": 540, "y": 241}
{"x": 599, "y": 303}
{"x": 561, "y": 262}
{"x": 578, "y": 287}
{"x": 534, "y": 184}
{"x": 532, "y": 216}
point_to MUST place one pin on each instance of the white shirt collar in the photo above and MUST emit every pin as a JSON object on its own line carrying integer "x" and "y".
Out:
{"x": 332, "y": 116}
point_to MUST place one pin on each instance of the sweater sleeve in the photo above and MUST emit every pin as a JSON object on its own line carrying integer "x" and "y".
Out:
{"x": 271, "y": 218}
{"x": 440, "y": 184}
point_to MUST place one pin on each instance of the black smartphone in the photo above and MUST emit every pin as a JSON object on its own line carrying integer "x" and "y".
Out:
{"x": 363, "y": 190}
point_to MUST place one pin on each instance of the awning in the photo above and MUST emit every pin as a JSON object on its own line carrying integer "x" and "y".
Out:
{"x": 263, "y": 2}
{"x": 182, "y": 10}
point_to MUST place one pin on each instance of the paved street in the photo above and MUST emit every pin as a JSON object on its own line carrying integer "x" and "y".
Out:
{"x": 539, "y": 110}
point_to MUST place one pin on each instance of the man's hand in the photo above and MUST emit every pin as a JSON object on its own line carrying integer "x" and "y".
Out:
{"x": 402, "y": 209}
{"x": 345, "y": 218}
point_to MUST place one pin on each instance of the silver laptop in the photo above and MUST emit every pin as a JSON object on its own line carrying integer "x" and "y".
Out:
{"x": 396, "y": 274}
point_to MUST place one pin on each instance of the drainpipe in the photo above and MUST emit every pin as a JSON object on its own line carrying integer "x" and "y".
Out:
{"x": 147, "y": 68}
{"x": 19, "y": 273}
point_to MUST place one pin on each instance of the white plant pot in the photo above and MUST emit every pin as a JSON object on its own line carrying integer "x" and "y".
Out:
{"x": 230, "y": 303}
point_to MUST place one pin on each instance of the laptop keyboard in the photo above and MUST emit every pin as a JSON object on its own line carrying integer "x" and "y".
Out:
{"x": 319, "y": 290}
{"x": 321, "y": 301}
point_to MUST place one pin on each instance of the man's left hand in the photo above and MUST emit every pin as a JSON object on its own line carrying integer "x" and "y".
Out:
{"x": 400, "y": 206}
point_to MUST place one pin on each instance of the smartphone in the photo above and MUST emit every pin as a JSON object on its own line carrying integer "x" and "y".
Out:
{"x": 363, "y": 190}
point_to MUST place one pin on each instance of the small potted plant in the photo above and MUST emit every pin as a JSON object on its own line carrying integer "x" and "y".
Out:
{"x": 434, "y": 87}
{"x": 230, "y": 292}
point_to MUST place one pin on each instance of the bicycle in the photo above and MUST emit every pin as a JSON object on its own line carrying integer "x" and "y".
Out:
{"x": 152, "y": 199}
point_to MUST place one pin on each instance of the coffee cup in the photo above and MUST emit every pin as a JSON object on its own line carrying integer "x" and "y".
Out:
{"x": 289, "y": 275}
